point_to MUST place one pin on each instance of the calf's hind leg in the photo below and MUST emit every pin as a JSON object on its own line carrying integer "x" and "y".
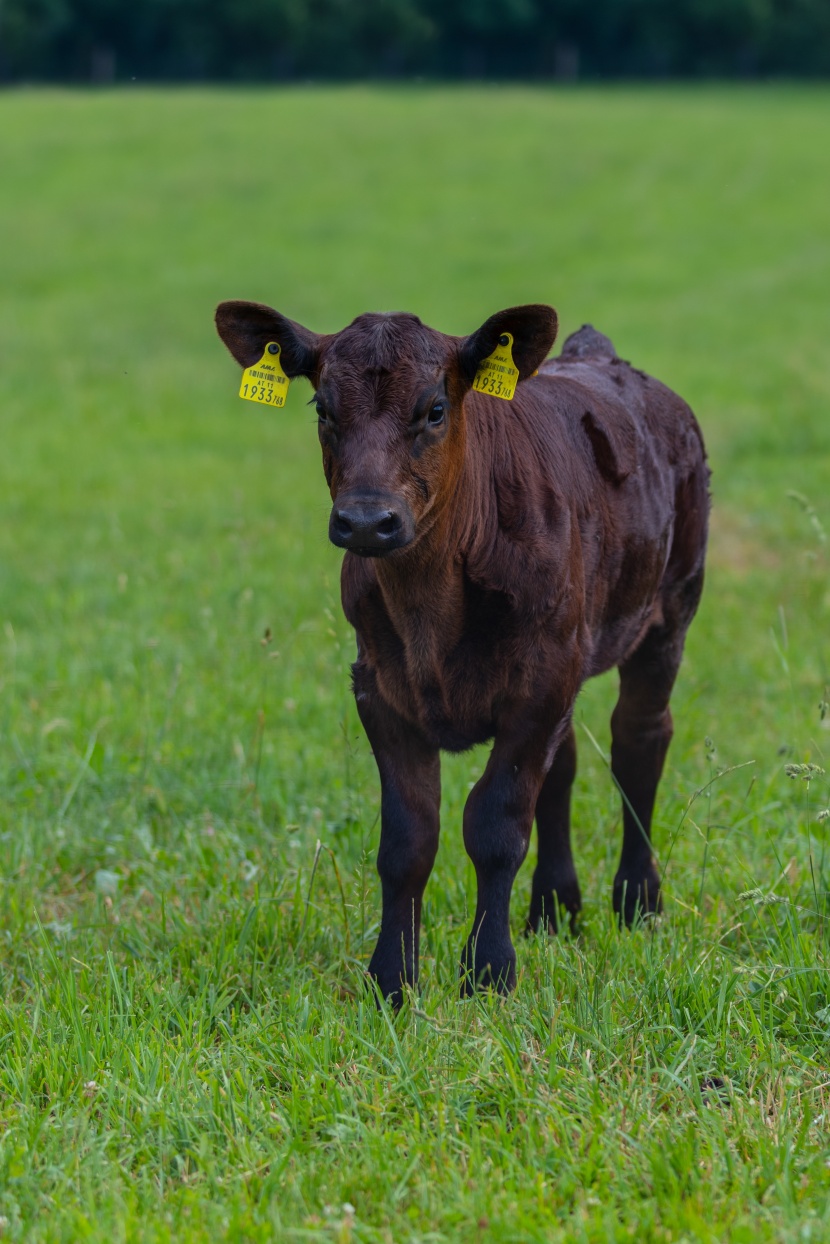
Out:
{"x": 641, "y": 730}
{"x": 555, "y": 884}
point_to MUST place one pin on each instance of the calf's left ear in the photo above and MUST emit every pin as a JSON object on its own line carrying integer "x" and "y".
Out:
{"x": 533, "y": 329}
{"x": 247, "y": 327}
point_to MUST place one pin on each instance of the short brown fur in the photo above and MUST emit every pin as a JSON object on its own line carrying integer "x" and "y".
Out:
{"x": 500, "y": 554}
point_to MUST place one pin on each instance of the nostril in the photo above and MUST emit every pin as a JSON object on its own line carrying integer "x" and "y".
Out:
{"x": 389, "y": 525}
{"x": 363, "y": 525}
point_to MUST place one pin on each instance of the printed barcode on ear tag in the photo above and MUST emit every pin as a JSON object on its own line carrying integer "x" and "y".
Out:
{"x": 265, "y": 381}
{"x": 498, "y": 374}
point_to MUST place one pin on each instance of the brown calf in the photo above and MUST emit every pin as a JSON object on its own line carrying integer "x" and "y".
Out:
{"x": 498, "y": 554}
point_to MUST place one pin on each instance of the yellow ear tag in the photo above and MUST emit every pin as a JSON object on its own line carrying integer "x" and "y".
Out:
{"x": 265, "y": 381}
{"x": 498, "y": 375}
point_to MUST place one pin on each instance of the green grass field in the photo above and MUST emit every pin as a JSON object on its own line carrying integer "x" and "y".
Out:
{"x": 189, "y": 814}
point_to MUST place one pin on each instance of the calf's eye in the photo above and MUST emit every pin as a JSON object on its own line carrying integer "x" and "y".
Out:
{"x": 436, "y": 415}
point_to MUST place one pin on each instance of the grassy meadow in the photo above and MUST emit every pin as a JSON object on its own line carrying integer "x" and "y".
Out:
{"x": 188, "y": 808}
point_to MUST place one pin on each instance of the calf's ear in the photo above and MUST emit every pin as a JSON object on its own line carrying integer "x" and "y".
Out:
{"x": 247, "y": 327}
{"x": 533, "y": 329}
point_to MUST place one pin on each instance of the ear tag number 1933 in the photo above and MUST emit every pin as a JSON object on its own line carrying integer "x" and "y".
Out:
{"x": 265, "y": 381}
{"x": 498, "y": 374}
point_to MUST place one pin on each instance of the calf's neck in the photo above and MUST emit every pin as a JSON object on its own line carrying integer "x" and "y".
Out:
{"x": 498, "y": 553}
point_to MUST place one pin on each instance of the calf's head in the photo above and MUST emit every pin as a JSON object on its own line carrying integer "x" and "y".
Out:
{"x": 389, "y": 394}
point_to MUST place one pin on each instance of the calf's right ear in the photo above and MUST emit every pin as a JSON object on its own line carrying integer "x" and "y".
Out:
{"x": 247, "y": 327}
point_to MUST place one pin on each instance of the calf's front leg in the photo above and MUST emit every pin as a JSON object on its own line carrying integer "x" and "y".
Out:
{"x": 498, "y": 819}
{"x": 410, "y": 779}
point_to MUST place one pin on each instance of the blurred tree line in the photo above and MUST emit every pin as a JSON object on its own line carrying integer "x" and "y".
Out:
{"x": 272, "y": 40}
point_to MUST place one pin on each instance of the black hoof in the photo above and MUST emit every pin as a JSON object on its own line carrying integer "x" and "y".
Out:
{"x": 555, "y": 910}
{"x": 482, "y": 969}
{"x": 637, "y": 897}
{"x": 392, "y": 997}
{"x": 388, "y": 982}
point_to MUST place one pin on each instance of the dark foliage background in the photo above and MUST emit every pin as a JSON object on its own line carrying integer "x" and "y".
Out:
{"x": 267, "y": 40}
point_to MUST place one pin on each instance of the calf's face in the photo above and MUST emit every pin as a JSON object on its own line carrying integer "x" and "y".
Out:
{"x": 389, "y": 395}
{"x": 386, "y": 397}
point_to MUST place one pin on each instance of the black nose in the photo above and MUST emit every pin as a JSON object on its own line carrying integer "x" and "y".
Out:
{"x": 370, "y": 526}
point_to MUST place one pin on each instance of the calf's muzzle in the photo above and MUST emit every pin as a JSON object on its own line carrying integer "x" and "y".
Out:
{"x": 371, "y": 524}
